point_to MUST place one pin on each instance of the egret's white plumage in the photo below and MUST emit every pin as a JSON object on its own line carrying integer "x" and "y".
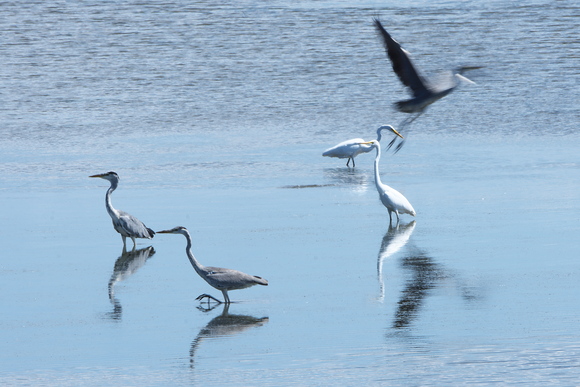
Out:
{"x": 349, "y": 149}
{"x": 220, "y": 278}
{"x": 390, "y": 197}
{"x": 125, "y": 224}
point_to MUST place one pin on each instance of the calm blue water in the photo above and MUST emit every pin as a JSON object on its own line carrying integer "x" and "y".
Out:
{"x": 215, "y": 116}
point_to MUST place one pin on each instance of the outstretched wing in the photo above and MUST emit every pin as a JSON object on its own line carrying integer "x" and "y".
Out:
{"x": 402, "y": 65}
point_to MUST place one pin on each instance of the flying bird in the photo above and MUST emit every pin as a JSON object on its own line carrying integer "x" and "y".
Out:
{"x": 424, "y": 92}
{"x": 125, "y": 224}
{"x": 219, "y": 278}
{"x": 392, "y": 199}
{"x": 353, "y": 147}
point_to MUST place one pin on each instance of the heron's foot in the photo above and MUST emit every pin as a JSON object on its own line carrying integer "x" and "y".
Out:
{"x": 391, "y": 143}
{"x": 209, "y": 297}
{"x": 398, "y": 148}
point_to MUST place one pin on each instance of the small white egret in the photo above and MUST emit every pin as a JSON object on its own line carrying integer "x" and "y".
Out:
{"x": 353, "y": 147}
{"x": 220, "y": 278}
{"x": 125, "y": 224}
{"x": 390, "y": 197}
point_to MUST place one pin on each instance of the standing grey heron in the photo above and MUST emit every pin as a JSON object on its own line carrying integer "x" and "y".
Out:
{"x": 353, "y": 147}
{"x": 219, "y": 278}
{"x": 125, "y": 224}
{"x": 424, "y": 93}
{"x": 390, "y": 197}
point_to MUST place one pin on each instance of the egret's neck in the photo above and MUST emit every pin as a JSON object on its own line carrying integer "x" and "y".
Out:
{"x": 379, "y": 135}
{"x": 112, "y": 211}
{"x": 199, "y": 268}
{"x": 377, "y": 175}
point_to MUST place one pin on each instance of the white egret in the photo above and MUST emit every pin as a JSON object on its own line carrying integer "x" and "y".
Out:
{"x": 353, "y": 147}
{"x": 125, "y": 224}
{"x": 390, "y": 197}
{"x": 424, "y": 92}
{"x": 220, "y": 278}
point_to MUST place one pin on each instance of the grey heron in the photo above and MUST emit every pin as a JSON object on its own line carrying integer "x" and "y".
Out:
{"x": 220, "y": 278}
{"x": 125, "y": 224}
{"x": 424, "y": 93}
{"x": 353, "y": 147}
{"x": 392, "y": 199}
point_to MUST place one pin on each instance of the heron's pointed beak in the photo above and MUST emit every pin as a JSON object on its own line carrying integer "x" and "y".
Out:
{"x": 163, "y": 232}
{"x": 99, "y": 175}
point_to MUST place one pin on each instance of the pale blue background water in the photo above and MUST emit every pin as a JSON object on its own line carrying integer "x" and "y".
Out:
{"x": 214, "y": 115}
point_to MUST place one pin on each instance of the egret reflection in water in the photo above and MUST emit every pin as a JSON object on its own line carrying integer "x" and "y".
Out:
{"x": 355, "y": 179}
{"x": 125, "y": 266}
{"x": 394, "y": 240}
{"x": 224, "y": 325}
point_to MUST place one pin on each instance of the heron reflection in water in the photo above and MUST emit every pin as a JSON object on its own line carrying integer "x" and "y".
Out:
{"x": 424, "y": 92}
{"x": 125, "y": 266}
{"x": 394, "y": 240}
{"x": 426, "y": 275}
{"x": 224, "y": 325}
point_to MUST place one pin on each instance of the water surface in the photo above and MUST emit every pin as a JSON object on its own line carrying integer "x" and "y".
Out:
{"x": 215, "y": 117}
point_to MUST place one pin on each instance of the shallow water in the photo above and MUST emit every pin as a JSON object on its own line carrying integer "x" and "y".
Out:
{"x": 215, "y": 117}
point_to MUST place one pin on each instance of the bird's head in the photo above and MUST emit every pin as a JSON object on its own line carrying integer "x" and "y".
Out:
{"x": 175, "y": 230}
{"x": 389, "y": 128}
{"x": 111, "y": 176}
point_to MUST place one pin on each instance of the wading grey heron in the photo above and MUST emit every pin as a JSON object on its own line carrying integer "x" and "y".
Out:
{"x": 125, "y": 224}
{"x": 390, "y": 197}
{"x": 353, "y": 147}
{"x": 219, "y": 278}
{"x": 424, "y": 93}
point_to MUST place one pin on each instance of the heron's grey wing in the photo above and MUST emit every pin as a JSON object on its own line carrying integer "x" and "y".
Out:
{"x": 402, "y": 65}
{"x": 232, "y": 279}
{"x": 134, "y": 227}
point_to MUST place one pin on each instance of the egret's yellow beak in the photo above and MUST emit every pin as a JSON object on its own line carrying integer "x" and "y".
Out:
{"x": 397, "y": 133}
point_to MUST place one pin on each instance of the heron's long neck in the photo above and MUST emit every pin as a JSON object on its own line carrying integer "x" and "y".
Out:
{"x": 194, "y": 262}
{"x": 377, "y": 175}
{"x": 113, "y": 212}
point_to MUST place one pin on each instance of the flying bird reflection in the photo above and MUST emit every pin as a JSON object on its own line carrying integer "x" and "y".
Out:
{"x": 125, "y": 266}
{"x": 424, "y": 92}
{"x": 394, "y": 240}
{"x": 224, "y": 325}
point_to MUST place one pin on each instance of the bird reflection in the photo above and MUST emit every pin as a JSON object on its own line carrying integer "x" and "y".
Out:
{"x": 393, "y": 241}
{"x": 354, "y": 178}
{"x": 224, "y": 325}
{"x": 125, "y": 266}
{"x": 426, "y": 275}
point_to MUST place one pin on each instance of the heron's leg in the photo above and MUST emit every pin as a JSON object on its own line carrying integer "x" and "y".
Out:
{"x": 226, "y": 297}
{"x": 390, "y": 218}
{"x": 391, "y": 143}
{"x": 124, "y": 241}
{"x": 397, "y": 213}
{"x": 398, "y": 148}
{"x": 134, "y": 242}
{"x": 209, "y": 297}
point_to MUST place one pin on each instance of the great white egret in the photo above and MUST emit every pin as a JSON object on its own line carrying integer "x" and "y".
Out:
{"x": 390, "y": 197}
{"x": 424, "y": 93}
{"x": 353, "y": 147}
{"x": 220, "y": 278}
{"x": 125, "y": 224}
